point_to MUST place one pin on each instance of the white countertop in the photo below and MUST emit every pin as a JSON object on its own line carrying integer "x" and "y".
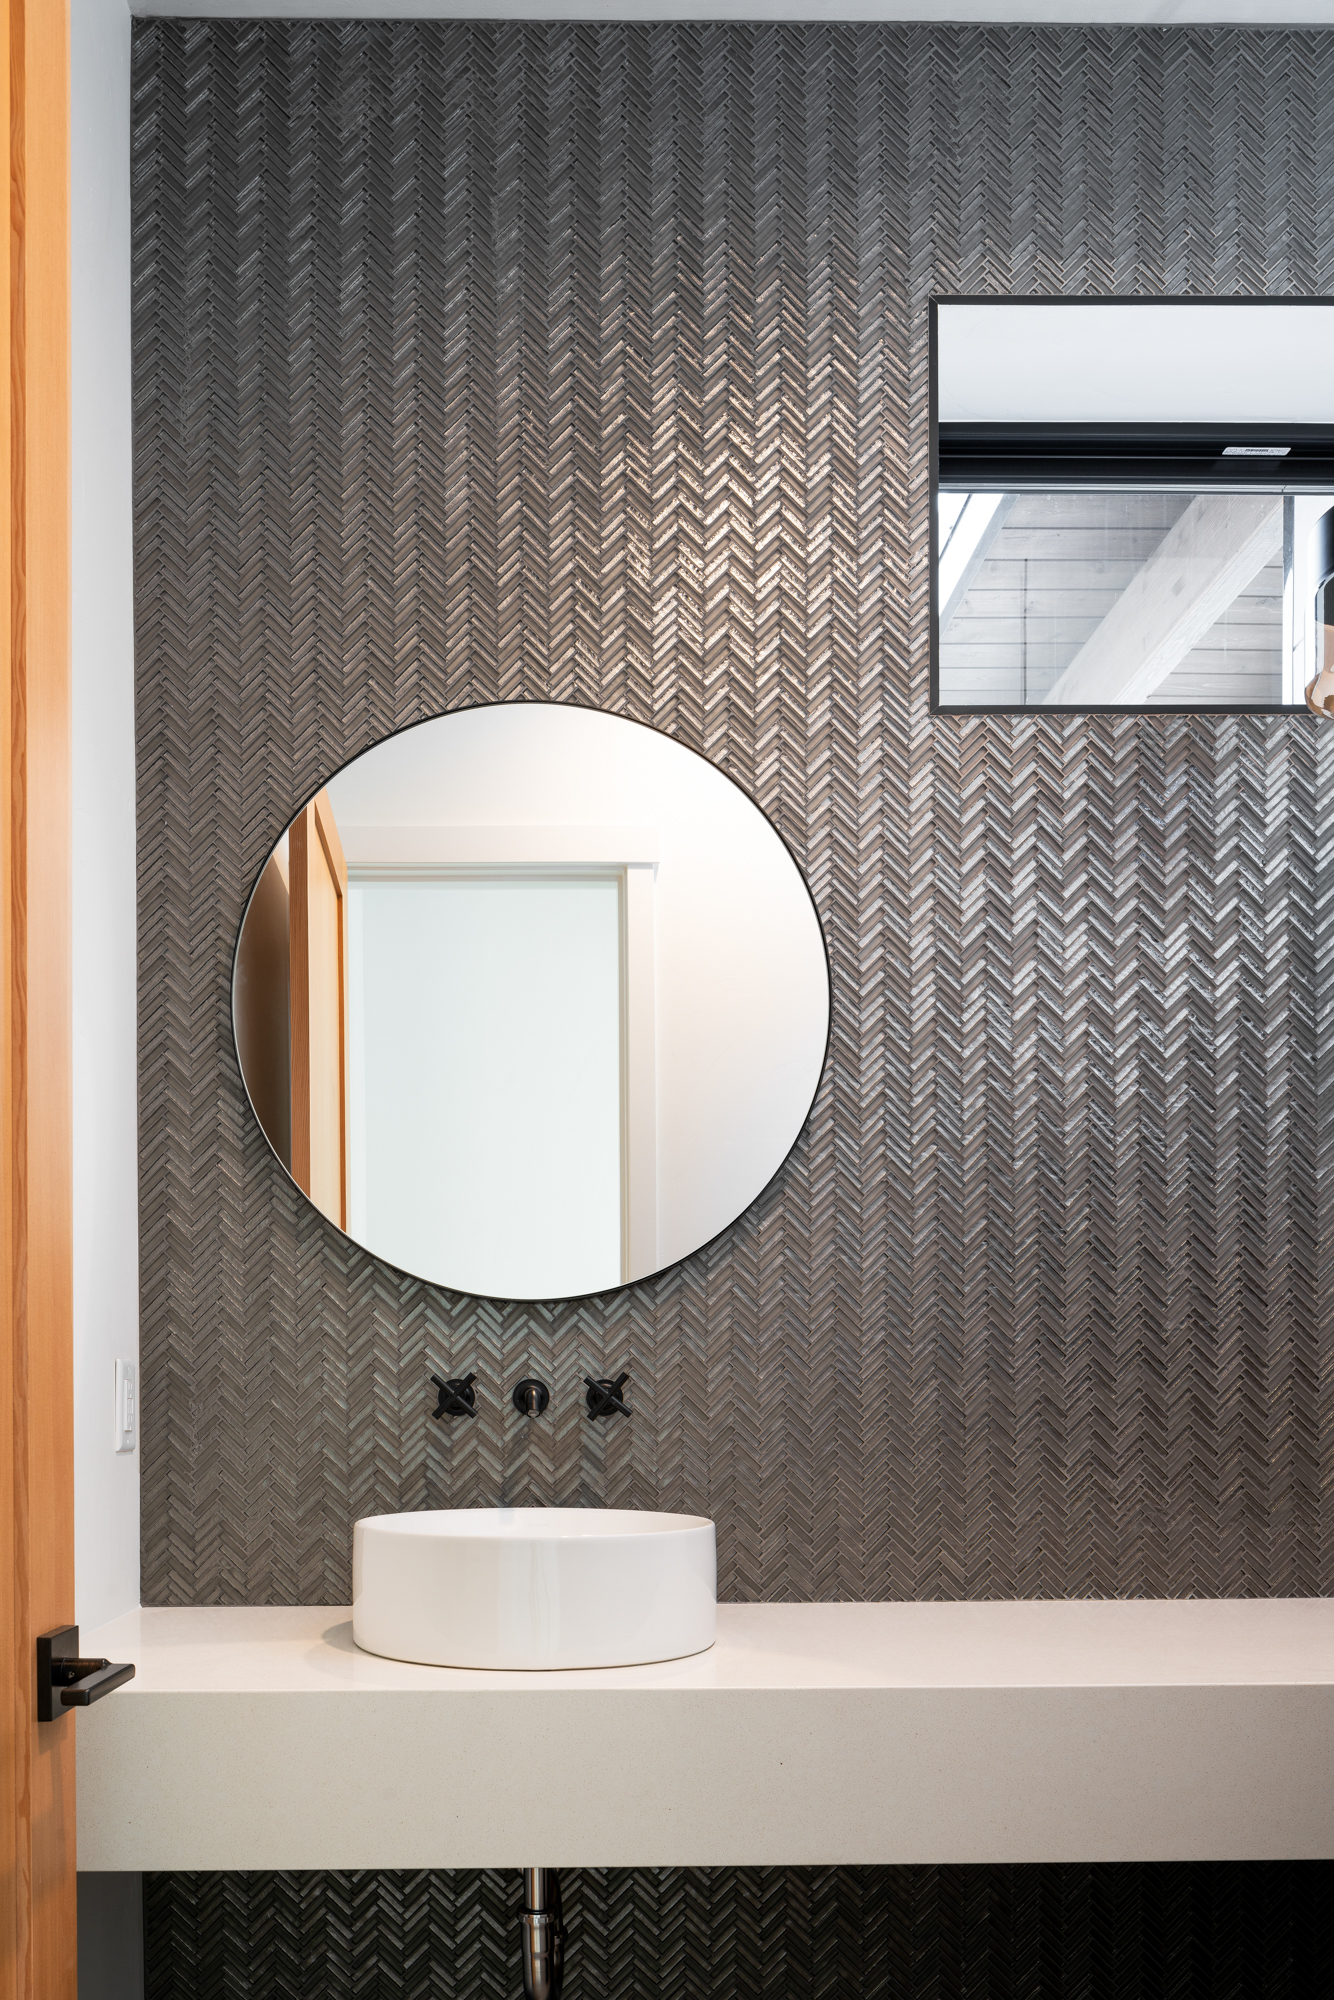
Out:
{"x": 1136, "y": 1642}
{"x": 810, "y": 1732}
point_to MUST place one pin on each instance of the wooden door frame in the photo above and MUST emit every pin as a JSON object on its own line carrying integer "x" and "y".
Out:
{"x": 38, "y": 1924}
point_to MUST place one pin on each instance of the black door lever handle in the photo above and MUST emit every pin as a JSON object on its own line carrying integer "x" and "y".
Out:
{"x": 65, "y": 1679}
{"x": 83, "y": 1681}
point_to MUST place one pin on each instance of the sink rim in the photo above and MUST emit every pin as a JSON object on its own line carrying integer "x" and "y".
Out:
{"x": 534, "y": 1524}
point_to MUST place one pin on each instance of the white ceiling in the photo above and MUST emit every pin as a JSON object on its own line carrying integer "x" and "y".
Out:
{"x": 1138, "y": 361}
{"x": 1156, "y": 13}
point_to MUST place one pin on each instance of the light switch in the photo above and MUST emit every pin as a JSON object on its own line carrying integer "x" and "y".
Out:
{"x": 127, "y": 1405}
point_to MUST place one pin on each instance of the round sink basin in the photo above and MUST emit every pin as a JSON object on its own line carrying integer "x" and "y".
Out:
{"x": 534, "y": 1587}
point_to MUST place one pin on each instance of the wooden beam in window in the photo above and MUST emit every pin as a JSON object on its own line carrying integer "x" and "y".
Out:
{"x": 1201, "y": 565}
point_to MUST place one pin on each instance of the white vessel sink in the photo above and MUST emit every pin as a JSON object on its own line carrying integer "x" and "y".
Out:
{"x": 534, "y": 1587}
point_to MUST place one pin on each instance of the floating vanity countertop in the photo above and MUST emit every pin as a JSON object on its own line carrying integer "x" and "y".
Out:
{"x": 810, "y": 1733}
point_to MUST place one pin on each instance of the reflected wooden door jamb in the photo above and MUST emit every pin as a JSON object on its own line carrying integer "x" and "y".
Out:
{"x": 318, "y": 999}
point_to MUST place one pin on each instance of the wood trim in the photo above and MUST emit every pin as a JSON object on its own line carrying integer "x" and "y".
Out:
{"x": 38, "y": 1917}
{"x": 298, "y": 991}
{"x": 313, "y": 844}
{"x": 327, "y": 828}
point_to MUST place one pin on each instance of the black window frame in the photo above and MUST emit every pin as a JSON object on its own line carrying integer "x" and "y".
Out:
{"x": 1187, "y": 446}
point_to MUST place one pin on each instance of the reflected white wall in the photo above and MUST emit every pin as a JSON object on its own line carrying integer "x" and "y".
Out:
{"x": 741, "y": 985}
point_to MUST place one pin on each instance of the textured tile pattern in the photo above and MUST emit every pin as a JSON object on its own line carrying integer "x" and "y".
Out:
{"x": 1249, "y": 1931}
{"x": 588, "y": 363}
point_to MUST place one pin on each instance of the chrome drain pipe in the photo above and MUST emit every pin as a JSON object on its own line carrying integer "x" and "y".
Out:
{"x": 542, "y": 1935}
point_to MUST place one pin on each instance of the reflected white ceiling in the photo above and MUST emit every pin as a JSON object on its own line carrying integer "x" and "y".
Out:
{"x": 1135, "y": 361}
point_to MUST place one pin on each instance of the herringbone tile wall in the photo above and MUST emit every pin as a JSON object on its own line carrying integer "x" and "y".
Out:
{"x": 588, "y": 363}
{"x": 1250, "y": 1931}
{"x": 591, "y": 365}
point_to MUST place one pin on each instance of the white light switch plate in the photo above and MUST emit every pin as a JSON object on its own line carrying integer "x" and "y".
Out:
{"x": 127, "y": 1405}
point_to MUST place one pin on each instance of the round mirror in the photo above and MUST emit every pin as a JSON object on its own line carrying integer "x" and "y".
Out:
{"x": 530, "y": 1000}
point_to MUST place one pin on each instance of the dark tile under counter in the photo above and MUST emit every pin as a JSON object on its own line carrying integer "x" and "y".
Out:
{"x": 1062, "y": 1931}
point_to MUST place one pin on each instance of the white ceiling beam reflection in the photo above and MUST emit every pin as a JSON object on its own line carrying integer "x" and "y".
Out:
{"x": 1203, "y": 563}
{"x": 968, "y": 524}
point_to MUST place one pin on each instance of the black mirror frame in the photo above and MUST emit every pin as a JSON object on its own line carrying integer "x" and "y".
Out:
{"x": 628, "y": 1284}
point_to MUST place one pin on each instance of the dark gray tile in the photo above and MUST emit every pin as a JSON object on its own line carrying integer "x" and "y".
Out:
{"x": 587, "y": 363}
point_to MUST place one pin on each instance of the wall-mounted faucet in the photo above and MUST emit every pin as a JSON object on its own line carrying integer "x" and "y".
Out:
{"x": 605, "y": 1397}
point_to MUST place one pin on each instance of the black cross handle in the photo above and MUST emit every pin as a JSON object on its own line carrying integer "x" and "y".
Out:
{"x": 457, "y": 1398}
{"x": 604, "y": 1398}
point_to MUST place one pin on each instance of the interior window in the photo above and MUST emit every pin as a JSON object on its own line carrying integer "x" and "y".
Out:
{"x": 1109, "y": 559}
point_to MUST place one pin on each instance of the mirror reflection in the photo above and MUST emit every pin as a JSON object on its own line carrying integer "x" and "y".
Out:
{"x": 531, "y": 1001}
{"x": 1124, "y": 500}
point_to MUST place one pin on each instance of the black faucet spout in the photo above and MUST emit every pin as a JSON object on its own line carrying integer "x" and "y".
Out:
{"x": 530, "y": 1396}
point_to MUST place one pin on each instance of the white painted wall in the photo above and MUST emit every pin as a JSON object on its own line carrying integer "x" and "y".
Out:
{"x": 741, "y": 986}
{"x": 106, "y": 1255}
{"x": 1137, "y": 362}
